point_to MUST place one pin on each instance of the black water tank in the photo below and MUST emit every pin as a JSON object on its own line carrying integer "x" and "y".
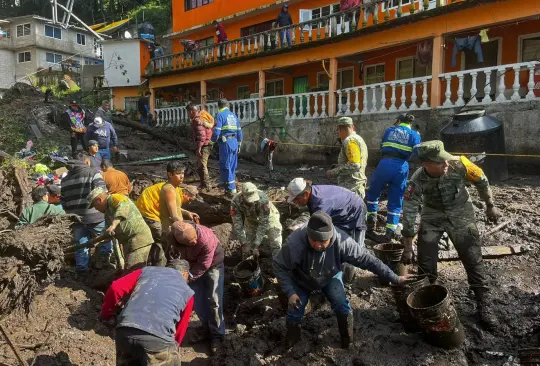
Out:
{"x": 146, "y": 31}
{"x": 471, "y": 131}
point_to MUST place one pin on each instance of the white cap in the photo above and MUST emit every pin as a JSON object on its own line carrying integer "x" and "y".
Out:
{"x": 98, "y": 121}
{"x": 296, "y": 187}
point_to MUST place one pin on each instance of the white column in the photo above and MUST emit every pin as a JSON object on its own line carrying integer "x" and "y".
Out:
{"x": 249, "y": 45}
{"x": 403, "y": 106}
{"x": 501, "y": 98}
{"x": 316, "y": 106}
{"x": 255, "y": 46}
{"x": 356, "y": 102}
{"x": 448, "y": 93}
{"x": 413, "y": 105}
{"x": 374, "y": 100}
{"x": 460, "y": 101}
{"x": 338, "y": 100}
{"x": 393, "y": 107}
{"x": 287, "y": 111}
{"x": 383, "y": 99}
{"x": 474, "y": 88}
{"x": 530, "y": 84}
{"x": 424, "y": 94}
{"x": 364, "y": 108}
{"x": 230, "y": 49}
{"x": 515, "y": 96}
{"x": 323, "y": 106}
{"x": 487, "y": 89}
{"x": 294, "y": 115}
{"x": 348, "y": 102}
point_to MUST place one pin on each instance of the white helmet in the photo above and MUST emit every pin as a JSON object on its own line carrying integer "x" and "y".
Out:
{"x": 98, "y": 121}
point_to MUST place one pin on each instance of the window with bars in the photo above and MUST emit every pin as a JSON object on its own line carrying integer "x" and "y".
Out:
{"x": 98, "y": 49}
{"x": 242, "y": 92}
{"x": 81, "y": 39}
{"x": 193, "y": 4}
{"x": 374, "y": 74}
{"x": 53, "y": 58}
{"x": 408, "y": 68}
{"x": 25, "y": 57}
{"x": 24, "y": 30}
{"x": 53, "y": 32}
{"x": 131, "y": 104}
{"x": 256, "y": 28}
{"x": 530, "y": 49}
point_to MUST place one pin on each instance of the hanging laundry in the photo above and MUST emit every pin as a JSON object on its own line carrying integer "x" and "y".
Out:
{"x": 467, "y": 43}
{"x": 424, "y": 53}
{"x": 484, "y": 36}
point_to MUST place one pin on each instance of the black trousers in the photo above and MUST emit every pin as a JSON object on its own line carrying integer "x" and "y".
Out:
{"x": 75, "y": 138}
{"x": 135, "y": 347}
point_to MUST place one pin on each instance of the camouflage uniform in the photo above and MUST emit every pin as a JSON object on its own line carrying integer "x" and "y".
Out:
{"x": 256, "y": 223}
{"x": 132, "y": 232}
{"x": 352, "y": 161}
{"x": 446, "y": 207}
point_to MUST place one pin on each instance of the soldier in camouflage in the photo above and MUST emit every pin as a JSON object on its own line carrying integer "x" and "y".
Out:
{"x": 352, "y": 160}
{"x": 439, "y": 187}
{"x": 126, "y": 225}
{"x": 255, "y": 221}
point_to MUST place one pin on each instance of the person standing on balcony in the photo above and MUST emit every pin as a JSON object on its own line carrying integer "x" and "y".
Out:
{"x": 221, "y": 39}
{"x": 352, "y": 160}
{"x": 201, "y": 126}
{"x": 284, "y": 19}
{"x": 396, "y": 147}
{"x": 228, "y": 133}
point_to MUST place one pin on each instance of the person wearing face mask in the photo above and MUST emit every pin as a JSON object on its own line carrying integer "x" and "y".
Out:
{"x": 201, "y": 248}
{"x": 312, "y": 260}
{"x": 439, "y": 188}
{"x": 255, "y": 221}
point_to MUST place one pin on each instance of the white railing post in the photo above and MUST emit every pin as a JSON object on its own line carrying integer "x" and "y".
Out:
{"x": 516, "y": 96}
{"x": 460, "y": 92}
{"x": 294, "y": 115}
{"x": 287, "y": 111}
{"x": 338, "y": 100}
{"x": 530, "y": 84}
{"x": 323, "y": 106}
{"x": 424, "y": 94}
{"x": 413, "y": 105}
{"x": 403, "y": 106}
{"x": 393, "y": 107}
{"x": 356, "y": 102}
{"x": 487, "y": 89}
{"x": 501, "y": 98}
{"x": 316, "y": 106}
{"x": 383, "y": 99}
{"x": 474, "y": 88}
{"x": 374, "y": 100}
{"x": 448, "y": 93}
{"x": 348, "y": 112}
{"x": 364, "y": 107}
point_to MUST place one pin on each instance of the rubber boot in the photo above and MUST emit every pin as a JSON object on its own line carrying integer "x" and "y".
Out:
{"x": 293, "y": 334}
{"x": 390, "y": 235}
{"x": 371, "y": 223}
{"x": 483, "y": 308}
{"x": 345, "y": 327}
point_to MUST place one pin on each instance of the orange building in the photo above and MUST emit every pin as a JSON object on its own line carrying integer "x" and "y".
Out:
{"x": 383, "y": 56}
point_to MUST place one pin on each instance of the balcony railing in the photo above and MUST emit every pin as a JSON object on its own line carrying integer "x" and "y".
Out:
{"x": 496, "y": 84}
{"x": 330, "y": 26}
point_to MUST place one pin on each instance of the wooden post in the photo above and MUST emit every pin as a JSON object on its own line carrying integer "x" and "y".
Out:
{"x": 152, "y": 101}
{"x": 203, "y": 94}
{"x": 436, "y": 70}
{"x": 332, "y": 86}
{"x": 262, "y": 91}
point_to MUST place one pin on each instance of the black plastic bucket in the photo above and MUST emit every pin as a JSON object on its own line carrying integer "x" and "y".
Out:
{"x": 529, "y": 356}
{"x": 248, "y": 275}
{"x": 401, "y": 293}
{"x": 390, "y": 254}
{"x": 432, "y": 308}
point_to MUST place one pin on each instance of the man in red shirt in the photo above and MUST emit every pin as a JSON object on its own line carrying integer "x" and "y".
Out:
{"x": 154, "y": 306}
{"x": 201, "y": 125}
{"x": 221, "y": 38}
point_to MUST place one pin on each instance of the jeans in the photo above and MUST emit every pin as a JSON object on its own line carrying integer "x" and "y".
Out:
{"x": 209, "y": 300}
{"x": 136, "y": 347}
{"x": 105, "y": 154}
{"x": 334, "y": 292}
{"x": 82, "y": 234}
{"x": 287, "y": 34}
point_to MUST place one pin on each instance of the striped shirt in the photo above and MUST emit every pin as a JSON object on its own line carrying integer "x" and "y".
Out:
{"x": 76, "y": 186}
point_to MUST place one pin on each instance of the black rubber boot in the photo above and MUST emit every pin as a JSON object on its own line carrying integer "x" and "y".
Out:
{"x": 371, "y": 223}
{"x": 483, "y": 309}
{"x": 390, "y": 235}
{"x": 293, "y": 334}
{"x": 345, "y": 327}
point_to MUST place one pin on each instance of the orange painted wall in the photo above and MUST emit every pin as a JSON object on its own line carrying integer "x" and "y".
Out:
{"x": 144, "y": 56}
{"x": 120, "y": 93}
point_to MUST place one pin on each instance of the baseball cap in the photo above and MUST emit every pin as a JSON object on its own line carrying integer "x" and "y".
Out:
{"x": 92, "y": 143}
{"x": 345, "y": 121}
{"x": 194, "y": 191}
{"x": 296, "y": 187}
{"x": 433, "y": 151}
{"x": 98, "y": 121}
{"x": 53, "y": 189}
{"x": 250, "y": 192}
{"x": 406, "y": 118}
{"x": 73, "y": 102}
{"x": 95, "y": 193}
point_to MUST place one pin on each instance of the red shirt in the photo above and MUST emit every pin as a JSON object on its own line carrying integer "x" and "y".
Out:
{"x": 220, "y": 32}
{"x": 123, "y": 287}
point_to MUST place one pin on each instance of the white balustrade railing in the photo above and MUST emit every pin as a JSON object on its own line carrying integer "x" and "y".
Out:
{"x": 496, "y": 84}
{"x": 304, "y": 105}
{"x": 392, "y": 96}
{"x": 171, "y": 116}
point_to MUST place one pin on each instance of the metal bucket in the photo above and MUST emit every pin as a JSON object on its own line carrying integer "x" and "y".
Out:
{"x": 529, "y": 356}
{"x": 248, "y": 275}
{"x": 432, "y": 308}
{"x": 401, "y": 292}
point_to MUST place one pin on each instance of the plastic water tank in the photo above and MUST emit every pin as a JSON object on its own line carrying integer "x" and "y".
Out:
{"x": 146, "y": 31}
{"x": 472, "y": 131}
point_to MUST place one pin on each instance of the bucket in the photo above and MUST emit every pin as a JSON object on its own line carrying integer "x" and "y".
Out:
{"x": 390, "y": 254}
{"x": 248, "y": 275}
{"x": 432, "y": 309}
{"x": 529, "y": 356}
{"x": 401, "y": 292}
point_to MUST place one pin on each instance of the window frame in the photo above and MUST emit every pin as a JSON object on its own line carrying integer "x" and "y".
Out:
{"x": 522, "y": 38}
{"x": 263, "y": 25}
{"x": 403, "y": 3}
{"x": 320, "y": 8}
{"x": 83, "y": 37}
{"x": 54, "y": 28}
{"x": 282, "y": 80}
{"x": 23, "y": 30}
{"x": 212, "y": 90}
{"x": 24, "y": 53}
{"x": 54, "y": 58}
{"x": 415, "y": 64}
{"x": 383, "y": 64}
{"x": 238, "y": 94}
{"x": 205, "y": 40}
{"x": 188, "y": 4}
{"x": 340, "y": 77}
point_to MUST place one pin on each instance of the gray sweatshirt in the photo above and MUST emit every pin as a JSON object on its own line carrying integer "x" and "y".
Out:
{"x": 298, "y": 263}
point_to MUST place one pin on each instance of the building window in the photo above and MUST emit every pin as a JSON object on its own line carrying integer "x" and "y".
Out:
{"x": 192, "y": 4}
{"x": 98, "y": 49}
{"x": 212, "y": 94}
{"x": 312, "y": 14}
{"x": 242, "y": 92}
{"x": 394, "y": 4}
{"x": 81, "y": 39}
{"x": 53, "y": 58}
{"x": 408, "y": 68}
{"x": 206, "y": 42}
{"x": 25, "y": 57}
{"x": 130, "y": 104}
{"x": 53, "y": 32}
{"x": 374, "y": 74}
{"x": 345, "y": 79}
{"x": 256, "y": 28}
{"x": 274, "y": 87}
{"x": 23, "y": 30}
{"x": 530, "y": 49}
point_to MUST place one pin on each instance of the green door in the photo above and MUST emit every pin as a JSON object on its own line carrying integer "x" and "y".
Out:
{"x": 300, "y": 86}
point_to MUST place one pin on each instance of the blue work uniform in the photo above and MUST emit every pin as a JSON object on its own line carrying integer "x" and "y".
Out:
{"x": 396, "y": 147}
{"x": 228, "y": 134}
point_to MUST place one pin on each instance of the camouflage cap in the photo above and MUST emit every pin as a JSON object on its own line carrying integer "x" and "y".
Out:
{"x": 433, "y": 151}
{"x": 96, "y": 192}
{"x": 192, "y": 190}
{"x": 250, "y": 192}
{"x": 345, "y": 121}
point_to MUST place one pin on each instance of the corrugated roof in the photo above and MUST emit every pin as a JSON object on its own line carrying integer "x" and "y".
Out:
{"x": 112, "y": 26}
{"x": 97, "y": 26}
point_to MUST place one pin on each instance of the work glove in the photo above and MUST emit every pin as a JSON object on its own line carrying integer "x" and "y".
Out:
{"x": 408, "y": 255}
{"x": 246, "y": 248}
{"x": 493, "y": 213}
{"x": 294, "y": 302}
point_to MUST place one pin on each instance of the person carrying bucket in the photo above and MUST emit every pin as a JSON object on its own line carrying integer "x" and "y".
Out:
{"x": 312, "y": 260}
{"x": 439, "y": 187}
{"x": 201, "y": 248}
{"x": 255, "y": 221}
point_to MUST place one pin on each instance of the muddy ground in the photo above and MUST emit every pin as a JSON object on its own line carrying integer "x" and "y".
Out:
{"x": 62, "y": 327}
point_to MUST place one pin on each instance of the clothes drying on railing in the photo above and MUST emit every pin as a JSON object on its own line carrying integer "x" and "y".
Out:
{"x": 468, "y": 43}
{"x": 424, "y": 53}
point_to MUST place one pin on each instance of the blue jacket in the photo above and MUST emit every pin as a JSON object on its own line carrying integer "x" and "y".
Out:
{"x": 346, "y": 208}
{"x": 155, "y": 304}
{"x": 227, "y": 125}
{"x": 105, "y": 135}
{"x": 399, "y": 141}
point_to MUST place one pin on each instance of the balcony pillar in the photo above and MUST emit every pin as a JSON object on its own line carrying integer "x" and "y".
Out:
{"x": 437, "y": 69}
{"x": 261, "y": 91}
{"x": 332, "y": 85}
{"x": 203, "y": 94}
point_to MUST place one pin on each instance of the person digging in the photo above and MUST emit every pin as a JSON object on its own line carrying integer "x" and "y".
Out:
{"x": 312, "y": 260}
